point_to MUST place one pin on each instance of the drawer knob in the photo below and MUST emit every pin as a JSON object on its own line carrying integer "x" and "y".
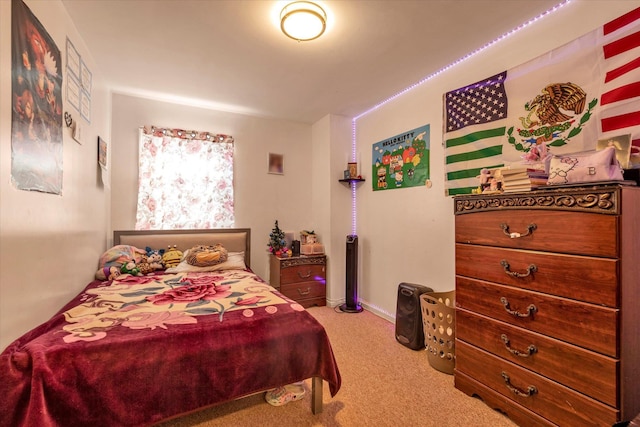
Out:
{"x": 531, "y": 390}
{"x": 304, "y": 276}
{"x": 514, "y": 235}
{"x": 530, "y": 310}
{"x": 307, "y": 292}
{"x": 529, "y": 352}
{"x": 531, "y": 269}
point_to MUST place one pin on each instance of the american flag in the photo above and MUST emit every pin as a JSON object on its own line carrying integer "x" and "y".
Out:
{"x": 474, "y": 120}
{"x": 620, "y": 100}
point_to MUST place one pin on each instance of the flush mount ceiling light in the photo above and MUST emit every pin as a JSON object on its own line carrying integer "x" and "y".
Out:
{"x": 303, "y": 20}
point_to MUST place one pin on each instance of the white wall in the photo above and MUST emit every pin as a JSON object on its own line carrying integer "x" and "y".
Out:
{"x": 49, "y": 244}
{"x": 407, "y": 235}
{"x": 260, "y": 198}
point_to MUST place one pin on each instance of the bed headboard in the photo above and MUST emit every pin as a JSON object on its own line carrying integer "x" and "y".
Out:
{"x": 233, "y": 239}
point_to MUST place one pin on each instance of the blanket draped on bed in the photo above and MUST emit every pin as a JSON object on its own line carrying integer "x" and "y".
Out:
{"x": 141, "y": 349}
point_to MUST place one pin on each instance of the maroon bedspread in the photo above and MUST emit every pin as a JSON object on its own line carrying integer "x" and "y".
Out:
{"x": 145, "y": 349}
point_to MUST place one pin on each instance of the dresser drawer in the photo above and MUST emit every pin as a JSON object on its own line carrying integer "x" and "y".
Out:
{"x": 589, "y": 279}
{"x": 585, "y": 371}
{"x": 577, "y": 233}
{"x": 547, "y": 398}
{"x": 302, "y": 273}
{"x": 302, "y": 290}
{"x": 586, "y": 325}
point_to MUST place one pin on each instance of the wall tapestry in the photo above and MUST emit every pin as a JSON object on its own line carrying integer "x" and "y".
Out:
{"x": 402, "y": 160}
{"x": 36, "y": 130}
{"x": 561, "y": 102}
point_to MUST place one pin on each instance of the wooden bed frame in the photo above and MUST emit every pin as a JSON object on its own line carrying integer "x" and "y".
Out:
{"x": 233, "y": 239}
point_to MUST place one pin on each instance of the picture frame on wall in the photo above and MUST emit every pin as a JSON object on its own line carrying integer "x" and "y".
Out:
{"x": 276, "y": 164}
{"x": 102, "y": 153}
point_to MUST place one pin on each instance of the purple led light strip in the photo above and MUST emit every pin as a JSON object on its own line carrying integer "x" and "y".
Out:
{"x": 429, "y": 77}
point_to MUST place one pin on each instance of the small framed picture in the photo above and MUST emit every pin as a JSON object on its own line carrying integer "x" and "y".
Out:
{"x": 102, "y": 153}
{"x": 347, "y": 174}
{"x": 276, "y": 164}
{"x": 622, "y": 144}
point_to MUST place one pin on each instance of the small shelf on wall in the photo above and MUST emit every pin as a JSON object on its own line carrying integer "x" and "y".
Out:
{"x": 350, "y": 181}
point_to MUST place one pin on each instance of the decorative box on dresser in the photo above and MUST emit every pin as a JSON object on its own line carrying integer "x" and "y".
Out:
{"x": 301, "y": 278}
{"x": 548, "y": 304}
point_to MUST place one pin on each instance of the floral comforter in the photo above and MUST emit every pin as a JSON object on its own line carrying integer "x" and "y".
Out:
{"x": 142, "y": 349}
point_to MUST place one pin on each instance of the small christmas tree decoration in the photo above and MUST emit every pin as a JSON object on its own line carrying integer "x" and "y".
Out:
{"x": 276, "y": 240}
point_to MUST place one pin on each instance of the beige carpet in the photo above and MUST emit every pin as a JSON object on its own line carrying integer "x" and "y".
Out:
{"x": 383, "y": 384}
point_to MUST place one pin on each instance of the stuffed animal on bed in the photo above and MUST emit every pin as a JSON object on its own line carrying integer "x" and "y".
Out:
{"x": 204, "y": 256}
{"x": 130, "y": 268}
{"x": 172, "y": 256}
{"x": 151, "y": 261}
{"x": 111, "y": 262}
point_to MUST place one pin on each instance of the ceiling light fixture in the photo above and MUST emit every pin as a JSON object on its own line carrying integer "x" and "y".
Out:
{"x": 303, "y": 20}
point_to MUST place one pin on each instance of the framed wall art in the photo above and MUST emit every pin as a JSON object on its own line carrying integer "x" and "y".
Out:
{"x": 276, "y": 164}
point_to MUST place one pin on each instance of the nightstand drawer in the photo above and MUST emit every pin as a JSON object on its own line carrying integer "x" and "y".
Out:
{"x": 304, "y": 290}
{"x": 302, "y": 273}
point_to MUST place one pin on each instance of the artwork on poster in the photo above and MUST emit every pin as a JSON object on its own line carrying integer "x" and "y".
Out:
{"x": 36, "y": 121}
{"x": 402, "y": 160}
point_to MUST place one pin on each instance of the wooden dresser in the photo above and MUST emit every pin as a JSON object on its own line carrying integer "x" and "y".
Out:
{"x": 301, "y": 278}
{"x": 548, "y": 304}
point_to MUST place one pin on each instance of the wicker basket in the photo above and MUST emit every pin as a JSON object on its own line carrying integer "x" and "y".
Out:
{"x": 438, "y": 321}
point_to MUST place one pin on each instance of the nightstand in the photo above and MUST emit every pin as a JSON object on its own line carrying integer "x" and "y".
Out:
{"x": 301, "y": 278}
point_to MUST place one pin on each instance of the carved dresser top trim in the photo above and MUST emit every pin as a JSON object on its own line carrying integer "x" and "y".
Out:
{"x": 595, "y": 199}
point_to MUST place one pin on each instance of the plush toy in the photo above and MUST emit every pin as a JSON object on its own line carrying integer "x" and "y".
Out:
{"x": 110, "y": 263}
{"x": 172, "y": 257}
{"x": 204, "y": 256}
{"x": 151, "y": 262}
{"x": 130, "y": 268}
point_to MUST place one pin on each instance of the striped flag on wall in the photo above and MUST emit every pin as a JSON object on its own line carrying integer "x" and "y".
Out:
{"x": 566, "y": 100}
{"x": 620, "y": 100}
{"x": 475, "y": 118}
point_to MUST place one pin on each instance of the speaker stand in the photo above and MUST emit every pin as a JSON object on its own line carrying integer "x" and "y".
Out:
{"x": 351, "y": 309}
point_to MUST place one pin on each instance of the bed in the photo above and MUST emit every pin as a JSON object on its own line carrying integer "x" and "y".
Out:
{"x": 136, "y": 350}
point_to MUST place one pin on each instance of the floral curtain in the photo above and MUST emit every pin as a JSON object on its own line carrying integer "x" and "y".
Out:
{"x": 185, "y": 180}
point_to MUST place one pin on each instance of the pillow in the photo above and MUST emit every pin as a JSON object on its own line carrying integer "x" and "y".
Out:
{"x": 235, "y": 261}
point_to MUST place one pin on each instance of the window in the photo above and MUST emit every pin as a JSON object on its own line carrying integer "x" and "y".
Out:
{"x": 185, "y": 180}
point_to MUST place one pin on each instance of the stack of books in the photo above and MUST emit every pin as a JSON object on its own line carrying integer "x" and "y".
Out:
{"x": 523, "y": 178}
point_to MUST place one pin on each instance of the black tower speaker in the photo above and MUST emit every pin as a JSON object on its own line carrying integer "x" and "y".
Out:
{"x": 409, "y": 330}
{"x": 351, "y": 305}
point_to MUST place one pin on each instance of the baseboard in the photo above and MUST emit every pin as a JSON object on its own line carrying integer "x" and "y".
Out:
{"x": 371, "y": 308}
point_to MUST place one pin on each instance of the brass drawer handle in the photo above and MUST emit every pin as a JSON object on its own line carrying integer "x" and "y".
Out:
{"x": 531, "y": 269}
{"x": 530, "y": 310}
{"x": 530, "y": 228}
{"x": 305, "y": 276}
{"x": 308, "y": 291}
{"x": 531, "y": 390}
{"x": 530, "y": 350}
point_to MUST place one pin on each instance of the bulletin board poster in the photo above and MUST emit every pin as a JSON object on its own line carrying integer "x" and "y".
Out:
{"x": 401, "y": 161}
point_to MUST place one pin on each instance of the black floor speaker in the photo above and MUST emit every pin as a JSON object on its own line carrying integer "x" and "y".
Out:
{"x": 409, "y": 331}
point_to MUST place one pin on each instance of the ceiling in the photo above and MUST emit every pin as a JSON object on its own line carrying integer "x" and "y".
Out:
{"x": 230, "y": 55}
